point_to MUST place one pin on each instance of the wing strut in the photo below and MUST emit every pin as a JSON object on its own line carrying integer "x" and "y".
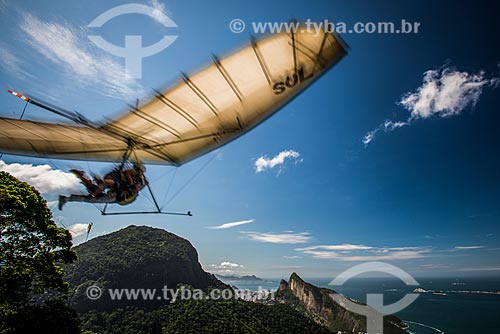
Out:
{"x": 24, "y": 109}
{"x": 73, "y": 116}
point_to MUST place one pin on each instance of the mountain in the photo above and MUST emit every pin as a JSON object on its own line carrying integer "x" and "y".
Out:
{"x": 140, "y": 257}
{"x": 136, "y": 257}
{"x": 248, "y": 278}
{"x": 317, "y": 304}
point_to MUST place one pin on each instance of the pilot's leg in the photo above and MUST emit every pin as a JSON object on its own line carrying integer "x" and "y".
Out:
{"x": 92, "y": 188}
{"x": 109, "y": 197}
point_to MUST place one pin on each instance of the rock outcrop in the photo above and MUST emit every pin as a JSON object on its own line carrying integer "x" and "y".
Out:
{"x": 317, "y": 304}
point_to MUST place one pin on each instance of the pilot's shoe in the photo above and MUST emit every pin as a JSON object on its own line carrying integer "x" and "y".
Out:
{"x": 62, "y": 200}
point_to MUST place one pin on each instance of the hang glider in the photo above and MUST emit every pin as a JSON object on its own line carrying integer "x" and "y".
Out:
{"x": 200, "y": 113}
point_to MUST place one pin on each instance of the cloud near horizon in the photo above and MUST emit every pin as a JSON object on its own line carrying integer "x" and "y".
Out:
{"x": 469, "y": 247}
{"x": 43, "y": 178}
{"x": 226, "y": 265}
{"x": 232, "y": 224}
{"x": 280, "y": 238}
{"x": 350, "y": 252}
{"x": 264, "y": 163}
{"x": 77, "y": 230}
{"x": 342, "y": 247}
{"x": 444, "y": 92}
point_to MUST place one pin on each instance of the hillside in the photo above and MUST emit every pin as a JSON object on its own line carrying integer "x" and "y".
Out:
{"x": 135, "y": 257}
{"x": 207, "y": 317}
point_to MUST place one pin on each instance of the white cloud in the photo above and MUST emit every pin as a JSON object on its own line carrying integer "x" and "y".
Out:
{"x": 224, "y": 271}
{"x": 52, "y": 204}
{"x": 350, "y": 252}
{"x": 288, "y": 267}
{"x": 387, "y": 126}
{"x": 226, "y": 265}
{"x": 43, "y": 177}
{"x": 264, "y": 163}
{"x": 159, "y": 12}
{"x": 280, "y": 238}
{"x": 342, "y": 247}
{"x": 367, "y": 138}
{"x": 67, "y": 46}
{"x": 444, "y": 92}
{"x": 10, "y": 62}
{"x": 469, "y": 247}
{"x": 233, "y": 224}
{"x": 78, "y": 229}
{"x": 292, "y": 257}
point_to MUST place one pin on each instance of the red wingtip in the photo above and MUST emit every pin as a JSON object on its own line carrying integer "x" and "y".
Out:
{"x": 21, "y": 96}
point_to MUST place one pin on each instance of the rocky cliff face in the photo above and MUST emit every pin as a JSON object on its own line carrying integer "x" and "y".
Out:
{"x": 137, "y": 257}
{"x": 317, "y": 304}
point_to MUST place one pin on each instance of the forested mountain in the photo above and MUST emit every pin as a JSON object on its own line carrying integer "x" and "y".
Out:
{"x": 136, "y": 257}
{"x": 207, "y": 317}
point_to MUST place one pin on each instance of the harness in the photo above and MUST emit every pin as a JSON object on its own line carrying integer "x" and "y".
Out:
{"x": 125, "y": 193}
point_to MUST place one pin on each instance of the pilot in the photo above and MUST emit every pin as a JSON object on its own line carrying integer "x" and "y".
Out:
{"x": 122, "y": 186}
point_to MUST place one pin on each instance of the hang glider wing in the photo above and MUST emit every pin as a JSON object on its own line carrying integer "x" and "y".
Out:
{"x": 200, "y": 113}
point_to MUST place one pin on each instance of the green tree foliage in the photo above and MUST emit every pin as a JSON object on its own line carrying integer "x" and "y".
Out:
{"x": 203, "y": 316}
{"x": 31, "y": 247}
{"x": 53, "y": 316}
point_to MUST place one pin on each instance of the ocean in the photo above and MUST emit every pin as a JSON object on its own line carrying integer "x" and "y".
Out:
{"x": 451, "y": 312}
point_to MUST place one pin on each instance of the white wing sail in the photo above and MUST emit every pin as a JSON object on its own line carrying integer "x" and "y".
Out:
{"x": 200, "y": 113}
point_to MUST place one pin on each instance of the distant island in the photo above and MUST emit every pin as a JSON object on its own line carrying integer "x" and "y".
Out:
{"x": 248, "y": 278}
{"x": 458, "y": 283}
{"x": 443, "y": 293}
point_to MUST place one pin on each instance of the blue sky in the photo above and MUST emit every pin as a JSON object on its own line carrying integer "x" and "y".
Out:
{"x": 423, "y": 194}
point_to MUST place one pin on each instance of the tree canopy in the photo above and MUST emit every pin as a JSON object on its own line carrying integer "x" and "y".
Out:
{"x": 32, "y": 247}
